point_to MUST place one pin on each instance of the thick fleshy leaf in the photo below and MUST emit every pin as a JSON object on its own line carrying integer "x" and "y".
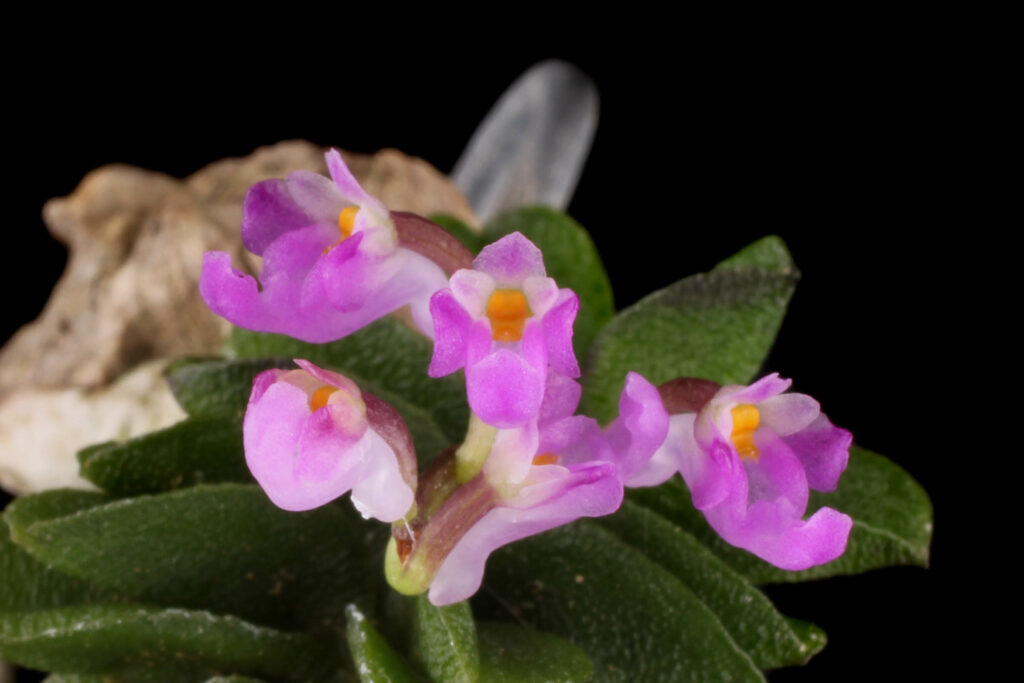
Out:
{"x": 214, "y": 386}
{"x": 27, "y": 584}
{"x": 224, "y": 548}
{"x": 196, "y": 450}
{"x": 140, "y": 643}
{"x": 510, "y": 653}
{"x": 570, "y": 257}
{"x": 717, "y": 326}
{"x": 445, "y": 641}
{"x": 388, "y": 355}
{"x": 747, "y": 614}
{"x": 375, "y": 660}
{"x": 633, "y": 618}
{"x": 892, "y": 521}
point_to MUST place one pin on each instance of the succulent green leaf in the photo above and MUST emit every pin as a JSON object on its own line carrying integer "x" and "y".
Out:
{"x": 747, "y": 614}
{"x": 445, "y": 641}
{"x": 214, "y": 386}
{"x": 140, "y": 643}
{"x": 510, "y": 653}
{"x": 27, "y": 584}
{"x": 206, "y": 449}
{"x": 462, "y": 232}
{"x": 225, "y": 548}
{"x": 387, "y": 355}
{"x": 375, "y": 660}
{"x": 718, "y": 326}
{"x": 570, "y": 257}
{"x": 892, "y": 521}
{"x": 635, "y": 619}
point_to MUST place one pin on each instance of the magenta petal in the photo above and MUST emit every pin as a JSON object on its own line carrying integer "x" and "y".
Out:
{"x": 707, "y": 473}
{"x": 776, "y": 473}
{"x": 641, "y": 427}
{"x": 451, "y": 331}
{"x": 760, "y": 390}
{"x": 575, "y": 439}
{"x": 557, "y": 324}
{"x": 268, "y": 212}
{"x": 824, "y": 451}
{"x": 787, "y": 414}
{"x": 587, "y": 490}
{"x": 561, "y": 398}
{"x": 774, "y": 532}
{"x": 346, "y": 183}
{"x": 325, "y": 450}
{"x": 510, "y": 260}
{"x": 505, "y": 390}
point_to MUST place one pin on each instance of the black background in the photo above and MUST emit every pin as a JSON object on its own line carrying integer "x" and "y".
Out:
{"x": 843, "y": 150}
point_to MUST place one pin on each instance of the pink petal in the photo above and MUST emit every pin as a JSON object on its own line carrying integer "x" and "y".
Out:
{"x": 823, "y": 450}
{"x": 588, "y": 490}
{"x": 510, "y": 260}
{"x": 557, "y": 325}
{"x": 505, "y": 390}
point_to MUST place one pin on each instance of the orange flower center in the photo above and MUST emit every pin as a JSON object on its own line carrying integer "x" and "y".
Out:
{"x": 319, "y": 398}
{"x": 545, "y": 459}
{"x": 346, "y": 223}
{"x": 745, "y": 420}
{"x": 508, "y": 311}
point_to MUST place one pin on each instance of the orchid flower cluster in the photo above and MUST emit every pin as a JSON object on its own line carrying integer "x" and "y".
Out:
{"x": 335, "y": 259}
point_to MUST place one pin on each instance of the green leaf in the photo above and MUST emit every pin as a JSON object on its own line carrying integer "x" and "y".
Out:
{"x": 510, "y": 653}
{"x": 570, "y": 257}
{"x": 139, "y": 643}
{"x": 375, "y": 660}
{"x": 386, "y": 354}
{"x": 462, "y": 232}
{"x": 196, "y": 450}
{"x": 205, "y": 387}
{"x": 748, "y": 615}
{"x": 445, "y": 641}
{"x": 225, "y": 548}
{"x": 892, "y": 521}
{"x": 718, "y": 326}
{"x": 26, "y": 584}
{"x": 633, "y": 618}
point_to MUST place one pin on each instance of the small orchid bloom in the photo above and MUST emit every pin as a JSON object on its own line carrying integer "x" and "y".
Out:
{"x": 552, "y": 471}
{"x": 505, "y": 321}
{"x": 310, "y": 436}
{"x": 332, "y": 260}
{"x": 749, "y": 456}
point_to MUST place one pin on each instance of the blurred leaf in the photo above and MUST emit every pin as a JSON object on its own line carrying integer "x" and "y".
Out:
{"x": 138, "y": 643}
{"x": 374, "y": 658}
{"x": 510, "y": 653}
{"x": 891, "y": 512}
{"x": 445, "y": 641}
{"x": 223, "y": 547}
{"x": 718, "y": 326}
{"x": 570, "y": 257}
{"x": 196, "y": 450}
{"x": 635, "y": 620}
{"x": 747, "y": 614}
{"x": 462, "y": 232}
{"x": 386, "y": 354}
{"x": 213, "y": 386}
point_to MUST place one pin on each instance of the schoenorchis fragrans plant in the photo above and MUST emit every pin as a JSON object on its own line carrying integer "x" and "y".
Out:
{"x": 541, "y": 489}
